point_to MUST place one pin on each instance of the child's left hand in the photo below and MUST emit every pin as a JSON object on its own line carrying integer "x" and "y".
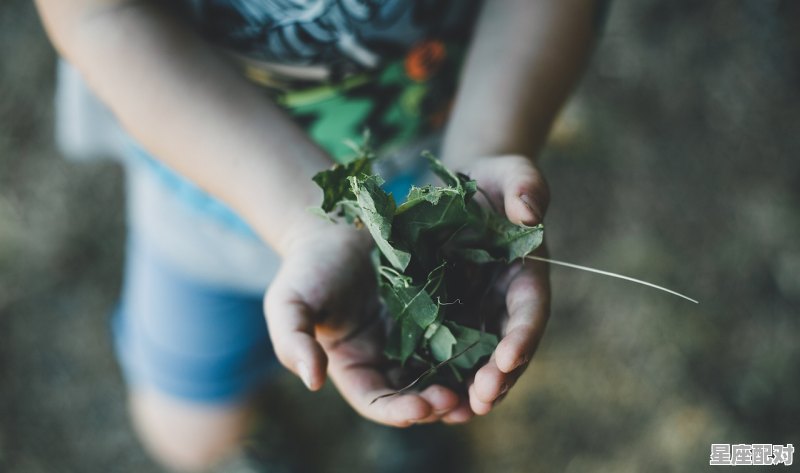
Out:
{"x": 515, "y": 187}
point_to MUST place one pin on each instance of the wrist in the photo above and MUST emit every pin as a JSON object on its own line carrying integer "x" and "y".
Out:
{"x": 308, "y": 226}
{"x": 471, "y": 163}
{"x": 464, "y": 155}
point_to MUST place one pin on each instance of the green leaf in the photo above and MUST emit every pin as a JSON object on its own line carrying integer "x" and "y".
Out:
{"x": 476, "y": 255}
{"x": 514, "y": 241}
{"x": 417, "y": 195}
{"x": 470, "y": 187}
{"x": 437, "y": 228}
{"x": 377, "y": 212}
{"x": 431, "y": 208}
{"x": 393, "y": 277}
{"x": 442, "y": 342}
{"x": 447, "y": 176}
{"x": 434, "y": 284}
{"x": 482, "y": 345}
{"x": 461, "y": 182}
{"x": 427, "y": 194}
{"x": 489, "y": 237}
{"x": 410, "y": 302}
{"x": 403, "y": 340}
{"x": 448, "y": 212}
{"x": 319, "y": 213}
{"x": 334, "y": 182}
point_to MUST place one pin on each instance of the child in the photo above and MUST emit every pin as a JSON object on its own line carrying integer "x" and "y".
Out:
{"x": 238, "y": 104}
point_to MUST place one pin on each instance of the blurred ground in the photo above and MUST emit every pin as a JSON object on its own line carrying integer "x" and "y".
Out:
{"x": 677, "y": 162}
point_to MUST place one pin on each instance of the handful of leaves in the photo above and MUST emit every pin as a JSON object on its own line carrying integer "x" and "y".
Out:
{"x": 438, "y": 255}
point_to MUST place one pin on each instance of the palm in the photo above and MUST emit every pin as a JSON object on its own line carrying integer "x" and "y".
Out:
{"x": 326, "y": 290}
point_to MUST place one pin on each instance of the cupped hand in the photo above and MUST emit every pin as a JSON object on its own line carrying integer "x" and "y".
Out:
{"x": 323, "y": 315}
{"x": 514, "y": 186}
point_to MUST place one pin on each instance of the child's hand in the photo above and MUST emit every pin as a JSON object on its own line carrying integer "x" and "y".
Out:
{"x": 515, "y": 187}
{"x": 322, "y": 309}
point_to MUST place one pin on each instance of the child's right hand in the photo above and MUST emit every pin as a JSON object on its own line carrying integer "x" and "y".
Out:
{"x": 322, "y": 311}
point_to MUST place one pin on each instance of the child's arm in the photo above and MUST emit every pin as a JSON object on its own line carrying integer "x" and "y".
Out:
{"x": 192, "y": 110}
{"x": 524, "y": 60}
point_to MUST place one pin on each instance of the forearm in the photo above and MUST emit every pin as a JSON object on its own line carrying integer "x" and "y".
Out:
{"x": 192, "y": 110}
{"x": 525, "y": 58}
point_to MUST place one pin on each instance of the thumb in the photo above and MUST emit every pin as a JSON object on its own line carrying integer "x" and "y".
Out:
{"x": 291, "y": 328}
{"x": 525, "y": 192}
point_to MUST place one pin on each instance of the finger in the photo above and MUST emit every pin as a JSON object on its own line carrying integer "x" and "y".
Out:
{"x": 361, "y": 384}
{"x": 490, "y": 382}
{"x": 478, "y": 407}
{"x": 356, "y": 367}
{"x": 462, "y": 413}
{"x": 525, "y": 192}
{"x": 441, "y": 399}
{"x": 291, "y": 327}
{"x": 528, "y": 305}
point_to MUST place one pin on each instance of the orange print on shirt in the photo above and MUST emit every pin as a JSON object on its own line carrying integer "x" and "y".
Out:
{"x": 424, "y": 59}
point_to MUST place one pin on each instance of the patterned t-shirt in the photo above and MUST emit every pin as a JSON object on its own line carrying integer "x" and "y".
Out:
{"x": 342, "y": 66}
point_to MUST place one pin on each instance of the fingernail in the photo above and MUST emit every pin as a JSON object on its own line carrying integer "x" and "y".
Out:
{"x": 305, "y": 373}
{"x": 528, "y": 201}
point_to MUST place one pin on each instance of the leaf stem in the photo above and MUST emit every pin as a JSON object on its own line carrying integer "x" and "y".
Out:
{"x": 424, "y": 374}
{"x": 385, "y": 269}
{"x": 610, "y": 274}
{"x": 352, "y": 205}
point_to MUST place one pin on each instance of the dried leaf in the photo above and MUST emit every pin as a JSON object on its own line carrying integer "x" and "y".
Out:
{"x": 411, "y": 302}
{"x": 442, "y": 342}
{"x": 403, "y": 340}
{"x": 377, "y": 213}
{"x": 436, "y": 228}
{"x": 335, "y": 185}
{"x": 477, "y": 344}
{"x": 513, "y": 241}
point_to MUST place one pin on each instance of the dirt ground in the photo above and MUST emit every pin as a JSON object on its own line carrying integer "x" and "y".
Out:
{"x": 676, "y": 161}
